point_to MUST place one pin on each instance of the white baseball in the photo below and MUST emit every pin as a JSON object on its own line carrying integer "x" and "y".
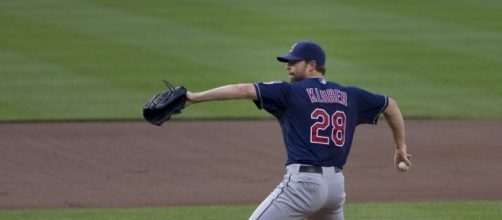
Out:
{"x": 402, "y": 166}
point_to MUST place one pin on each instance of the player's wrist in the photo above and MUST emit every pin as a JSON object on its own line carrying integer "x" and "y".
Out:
{"x": 193, "y": 97}
{"x": 401, "y": 147}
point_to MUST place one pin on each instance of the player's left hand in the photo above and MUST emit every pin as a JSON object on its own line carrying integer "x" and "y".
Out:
{"x": 163, "y": 105}
{"x": 189, "y": 100}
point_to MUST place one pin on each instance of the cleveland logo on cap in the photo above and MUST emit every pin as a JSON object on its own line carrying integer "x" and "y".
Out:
{"x": 293, "y": 47}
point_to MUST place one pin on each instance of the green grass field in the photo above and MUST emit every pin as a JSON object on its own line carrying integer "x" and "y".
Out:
{"x": 369, "y": 211}
{"x": 102, "y": 59}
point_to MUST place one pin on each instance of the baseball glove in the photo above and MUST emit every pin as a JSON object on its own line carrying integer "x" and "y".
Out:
{"x": 163, "y": 105}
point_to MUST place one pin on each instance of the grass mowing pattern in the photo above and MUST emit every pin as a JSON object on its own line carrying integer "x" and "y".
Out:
{"x": 370, "y": 211}
{"x": 101, "y": 59}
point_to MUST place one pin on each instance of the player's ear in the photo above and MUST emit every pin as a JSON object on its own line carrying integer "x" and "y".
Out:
{"x": 311, "y": 65}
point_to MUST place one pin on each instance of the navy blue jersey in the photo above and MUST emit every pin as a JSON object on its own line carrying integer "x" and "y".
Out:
{"x": 318, "y": 118}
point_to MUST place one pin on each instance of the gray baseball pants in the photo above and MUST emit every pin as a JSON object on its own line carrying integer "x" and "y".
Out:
{"x": 300, "y": 195}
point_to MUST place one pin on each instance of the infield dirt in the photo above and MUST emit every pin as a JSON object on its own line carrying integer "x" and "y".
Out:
{"x": 134, "y": 164}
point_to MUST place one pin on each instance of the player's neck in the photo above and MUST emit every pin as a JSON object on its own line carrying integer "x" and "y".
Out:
{"x": 314, "y": 74}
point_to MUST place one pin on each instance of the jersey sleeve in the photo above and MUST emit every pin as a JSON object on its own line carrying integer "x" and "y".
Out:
{"x": 369, "y": 106}
{"x": 272, "y": 96}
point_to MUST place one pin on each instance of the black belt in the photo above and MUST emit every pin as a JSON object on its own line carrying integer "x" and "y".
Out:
{"x": 315, "y": 169}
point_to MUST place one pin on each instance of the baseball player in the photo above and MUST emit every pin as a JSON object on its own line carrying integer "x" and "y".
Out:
{"x": 318, "y": 119}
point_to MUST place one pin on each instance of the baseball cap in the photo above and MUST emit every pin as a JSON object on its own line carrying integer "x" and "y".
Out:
{"x": 304, "y": 50}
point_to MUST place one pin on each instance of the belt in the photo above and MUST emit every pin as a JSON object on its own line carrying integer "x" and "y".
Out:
{"x": 315, "y": 169}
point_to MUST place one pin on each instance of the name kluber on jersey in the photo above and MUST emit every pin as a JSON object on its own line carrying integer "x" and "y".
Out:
{"x": 327, "y": 96}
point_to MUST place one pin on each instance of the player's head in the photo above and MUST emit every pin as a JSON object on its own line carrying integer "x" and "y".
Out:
{"x": 305, "y": 59}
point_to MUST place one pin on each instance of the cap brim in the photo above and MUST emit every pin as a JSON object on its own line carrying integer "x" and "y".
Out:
{"x": 287, "y": 58}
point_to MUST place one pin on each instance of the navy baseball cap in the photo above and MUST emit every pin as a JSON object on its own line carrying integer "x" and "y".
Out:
{"x": 304, "y": 50}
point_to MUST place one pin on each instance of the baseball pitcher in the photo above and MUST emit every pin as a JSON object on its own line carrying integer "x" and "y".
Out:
{"x": 318, "y": 119}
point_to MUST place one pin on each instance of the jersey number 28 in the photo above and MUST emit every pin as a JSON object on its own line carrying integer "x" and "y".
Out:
{"x": 337, "y": 120}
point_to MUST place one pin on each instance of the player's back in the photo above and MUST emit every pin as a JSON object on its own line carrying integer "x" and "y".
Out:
{"x": 318, "y": 118}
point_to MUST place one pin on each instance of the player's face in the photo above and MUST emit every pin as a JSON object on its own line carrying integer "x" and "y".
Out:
{"x": 297, "y": 70}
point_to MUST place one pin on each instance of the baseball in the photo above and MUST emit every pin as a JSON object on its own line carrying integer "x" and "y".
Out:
{"x": 402, "y": 166}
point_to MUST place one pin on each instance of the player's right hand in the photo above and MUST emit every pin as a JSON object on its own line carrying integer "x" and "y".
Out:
{"x": 401, "y": 155}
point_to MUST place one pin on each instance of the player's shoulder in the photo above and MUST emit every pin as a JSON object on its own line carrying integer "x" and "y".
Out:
{"x": 349, "y": 89}
{"x": 273, "y": 86}
{"x": 355, "y": 89}
{"x": 274, "y": 82}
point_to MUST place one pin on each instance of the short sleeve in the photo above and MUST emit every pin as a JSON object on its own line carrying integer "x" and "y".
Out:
{"x": 369, "y": 106}
{"x": 272, "y": 96}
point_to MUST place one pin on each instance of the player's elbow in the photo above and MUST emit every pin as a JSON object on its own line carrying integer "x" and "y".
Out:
{"x": 392, "y": 108}
{"x": 392, "y": 102}
{"x": 246, "y": 91}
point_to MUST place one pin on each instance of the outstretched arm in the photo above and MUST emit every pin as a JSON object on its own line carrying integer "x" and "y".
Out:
{"x": 236, "y": 91}
{"x": 395, "y": 120}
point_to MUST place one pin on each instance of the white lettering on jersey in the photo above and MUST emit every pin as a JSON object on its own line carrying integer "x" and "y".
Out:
{"x": 327, "y": 96}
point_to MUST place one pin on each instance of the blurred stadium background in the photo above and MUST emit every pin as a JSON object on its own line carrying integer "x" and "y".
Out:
{"x": 99, "y": 59}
